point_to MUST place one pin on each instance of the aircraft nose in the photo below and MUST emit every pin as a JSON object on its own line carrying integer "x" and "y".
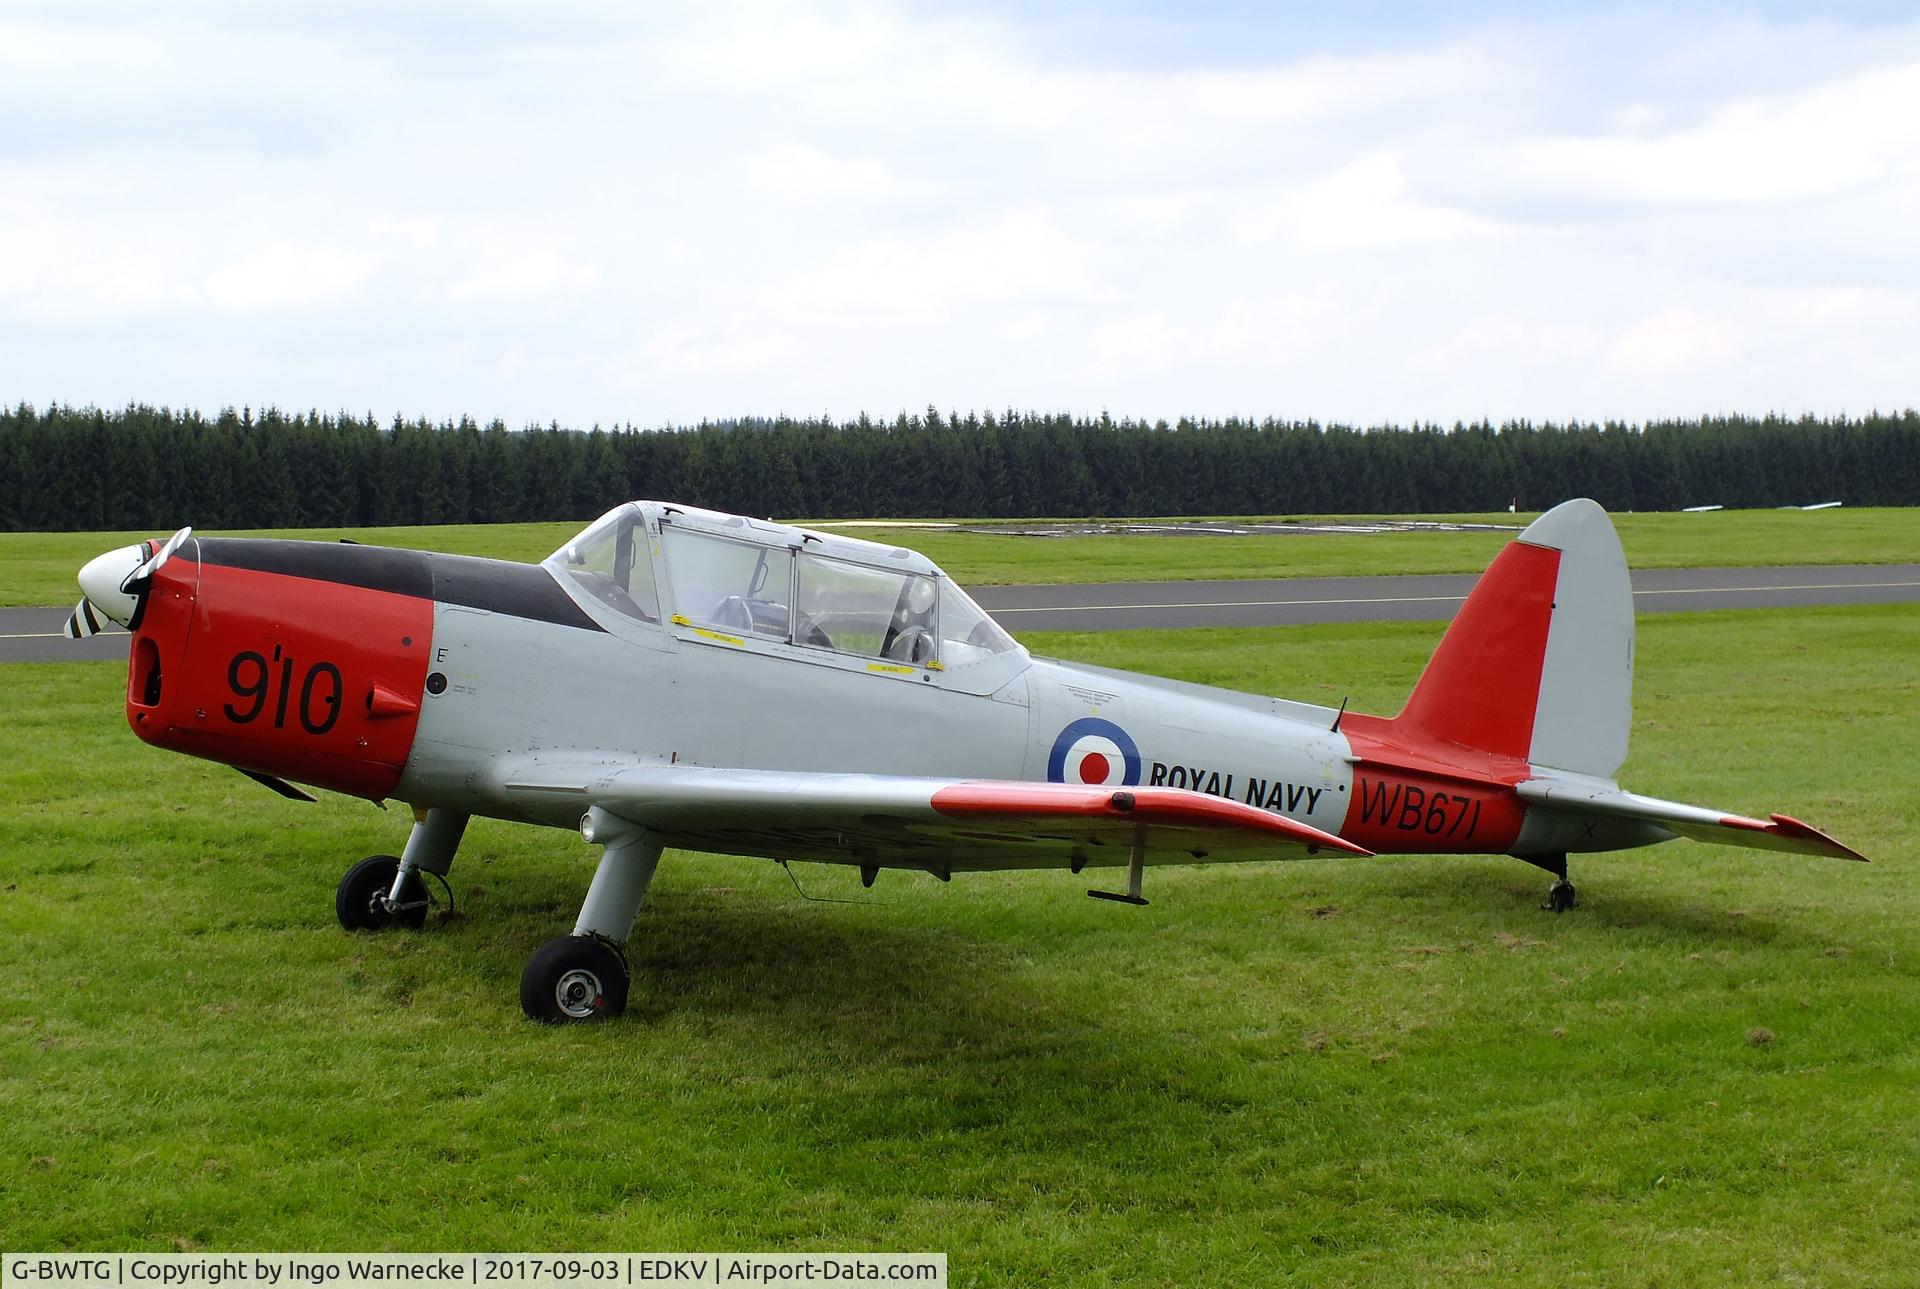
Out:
{"x": 100, "y": 582}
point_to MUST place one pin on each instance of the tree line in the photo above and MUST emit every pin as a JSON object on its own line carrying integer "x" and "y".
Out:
{"x": 66, "y": 468}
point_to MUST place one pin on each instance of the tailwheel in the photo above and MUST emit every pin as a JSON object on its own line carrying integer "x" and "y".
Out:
{"x": 573, "y": 979}
{"x": 1561, "y": 896}
{"x": 361, "y": 902}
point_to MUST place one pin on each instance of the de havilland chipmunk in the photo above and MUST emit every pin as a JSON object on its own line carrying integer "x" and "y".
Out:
{"x": 675, "y": 677}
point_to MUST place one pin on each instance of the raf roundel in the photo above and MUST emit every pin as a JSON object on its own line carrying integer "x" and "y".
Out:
{"x": 1094, "y": 751}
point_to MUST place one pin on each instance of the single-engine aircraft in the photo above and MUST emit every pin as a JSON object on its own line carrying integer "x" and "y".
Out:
{"x": 678, "y": 677}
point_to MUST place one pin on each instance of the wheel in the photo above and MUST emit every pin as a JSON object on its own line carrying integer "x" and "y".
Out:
{"x": 575, "y": 978}
{"x": 357, "y": 901}
{"x": 1561, "y": 896}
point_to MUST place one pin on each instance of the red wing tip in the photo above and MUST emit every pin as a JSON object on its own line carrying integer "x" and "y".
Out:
{"x": 1166, "y": 807}
{"x": 1788, "y": 826}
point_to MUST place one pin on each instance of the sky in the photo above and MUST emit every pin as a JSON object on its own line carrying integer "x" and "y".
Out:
{"x": 658, "y": 213}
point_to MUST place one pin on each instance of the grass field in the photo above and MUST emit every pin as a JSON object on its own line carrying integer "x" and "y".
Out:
{"x": 1387, "y": 1071}
{"x": 39, "y": 568}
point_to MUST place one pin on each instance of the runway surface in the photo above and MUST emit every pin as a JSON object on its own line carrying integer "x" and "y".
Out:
{"x": 33, "y": 635}
{"x": 1302, "y": 601}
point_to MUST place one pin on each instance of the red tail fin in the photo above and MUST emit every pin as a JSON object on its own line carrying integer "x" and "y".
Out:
{"x": 1538, "y": 664}
{"x": 1482, "y": 687}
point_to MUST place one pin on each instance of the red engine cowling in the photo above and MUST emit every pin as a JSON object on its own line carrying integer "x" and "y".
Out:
{"x": 302, "y": 679}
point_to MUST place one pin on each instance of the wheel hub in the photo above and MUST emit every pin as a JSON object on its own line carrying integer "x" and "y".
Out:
{"x": 578, "y": 993}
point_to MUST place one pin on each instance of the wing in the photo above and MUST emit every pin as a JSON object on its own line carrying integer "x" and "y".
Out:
{"x": 1779, "y": 832}
{"x": 941, "y": 825}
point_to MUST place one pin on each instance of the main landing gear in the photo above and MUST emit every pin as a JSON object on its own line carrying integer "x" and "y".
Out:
{"x": 384, "y": 891}
{"x": 1561, "y": 896}
{"x": 578, "y": 977}
{"x": 583, "y": 976}
{"x": 574, "y": 978}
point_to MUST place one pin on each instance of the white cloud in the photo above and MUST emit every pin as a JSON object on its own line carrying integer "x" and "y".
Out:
{"x": 795, "y": 171}
{"x": 1363, "y": 204}
{"x": 1262, "y": 335}
{"x": 1502, "y": 340}
{"x": 665, "y": 212}
{"x": 1679, "y": 338}
{"x": 1836, "y": 307}
{"x": 44, "y": 53}
{"x": 87, "y": 269}
{"x": 1170, "y": 110}
{"x": 1021, "y": 257}
{"x": 1769, "y": 322}
{"x": 521, "y": 273}
{"x": 1835, "y": 138}
{"x": 286, "y": 275}
{"x": 740, "y": 346}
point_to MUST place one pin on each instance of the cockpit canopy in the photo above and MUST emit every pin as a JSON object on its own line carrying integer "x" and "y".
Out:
{"x": 754, "y": 579}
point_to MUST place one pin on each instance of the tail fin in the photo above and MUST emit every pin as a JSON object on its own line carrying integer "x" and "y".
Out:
{"x": 1538, "y": 664}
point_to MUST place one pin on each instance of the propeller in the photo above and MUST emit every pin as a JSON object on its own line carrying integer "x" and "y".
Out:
{"x": 152, "y": 564}
{"x": 82, "y": 622}
{"x": 114, "y": 582}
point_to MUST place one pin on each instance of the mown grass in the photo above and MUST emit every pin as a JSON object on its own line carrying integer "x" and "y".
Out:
{"x": 1388, "y": 1071}
{"x": 1718, "y": 539}
{"x": 39, "y": 568}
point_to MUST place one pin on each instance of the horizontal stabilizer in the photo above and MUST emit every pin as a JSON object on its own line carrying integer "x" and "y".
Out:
{"x": 1778, "y": 832}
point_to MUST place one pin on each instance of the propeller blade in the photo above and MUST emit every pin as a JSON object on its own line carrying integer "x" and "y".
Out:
{"x": 82, "y": 622}
{"x": 152, "y": 563}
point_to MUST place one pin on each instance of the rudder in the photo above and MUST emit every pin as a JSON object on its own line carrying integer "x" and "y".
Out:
{"x": 1538, "y": 664}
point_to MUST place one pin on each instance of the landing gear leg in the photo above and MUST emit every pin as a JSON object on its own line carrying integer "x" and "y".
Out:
{"x": 1561, "y": 896}
{"x": 583, "y": 976}
{"x": 384, "y": 890}
{"x": 430, "y": 849}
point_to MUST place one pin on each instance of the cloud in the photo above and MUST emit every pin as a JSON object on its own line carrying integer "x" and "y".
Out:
{"x": 1268, "y": 335}
{"x": 666, "y": 212}
{"x": 1364, "y": 204}
{"x": 1835, "y": 308}
{"x": 1507, "y": 339}
{"x": 1676, "y": 339}
{"x": 521, "y": 272}
{"x": 1684, "y": 338}
{"x": 798, "y": 172}
{"x": 86, "y": 269}
{"x": 1020, "y": 257}
{"x": 1835, "y": 138}
{"x": 739, "y": 346}
{"x": 286, "y": 275}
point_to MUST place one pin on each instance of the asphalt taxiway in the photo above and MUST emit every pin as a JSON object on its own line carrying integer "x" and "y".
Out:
{"x": 1115, "y": 606}
{"x": 33, "y": 635}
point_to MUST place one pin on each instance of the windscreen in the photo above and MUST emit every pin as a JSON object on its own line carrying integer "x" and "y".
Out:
{"x": 610, "y": 562}
{"x": 966, "y": 632}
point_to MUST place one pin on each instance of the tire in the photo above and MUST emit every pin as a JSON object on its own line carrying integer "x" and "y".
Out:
{"x": 573, "y": 980}
{"x": 353, "y": 902}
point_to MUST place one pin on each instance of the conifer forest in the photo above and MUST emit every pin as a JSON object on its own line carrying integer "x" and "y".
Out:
{"x": 64, "y": 468}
